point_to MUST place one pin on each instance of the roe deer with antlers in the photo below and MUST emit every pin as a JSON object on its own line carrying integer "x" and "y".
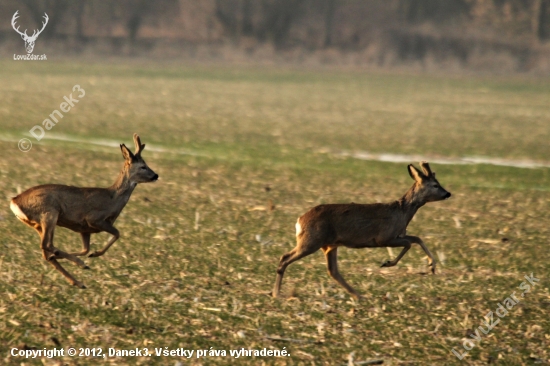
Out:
{"x": 328, "y": 227}
{"x": 83, "y": 210}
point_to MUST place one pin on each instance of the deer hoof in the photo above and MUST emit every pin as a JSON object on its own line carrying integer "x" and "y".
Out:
{"x": 86, "y": 267}
{"x": 79, "y": 285}
{"x": 387, "y": 264}
{"x": 94, "y": 254}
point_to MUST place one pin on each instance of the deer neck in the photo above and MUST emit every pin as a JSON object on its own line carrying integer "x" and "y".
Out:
{"x": 122, "y": 189}
{"x": 410, "y": 203}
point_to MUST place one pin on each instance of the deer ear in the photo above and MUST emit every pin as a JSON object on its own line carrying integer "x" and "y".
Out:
{"x": 128, "y": 156}
{"x": 415, "y": 173}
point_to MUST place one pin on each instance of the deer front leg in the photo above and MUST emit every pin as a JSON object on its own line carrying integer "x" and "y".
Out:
{"x": 417, "y": 240}
{"x": 105, "y": 226}
{"x": 406, "y": 242}
{"x": 397, "y": 242}
{"x": 85, "y": 245}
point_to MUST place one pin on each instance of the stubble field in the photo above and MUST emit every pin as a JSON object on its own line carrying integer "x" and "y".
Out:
{"x": 241, "y": 154}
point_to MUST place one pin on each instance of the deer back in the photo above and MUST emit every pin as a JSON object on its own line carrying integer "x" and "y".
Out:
{"x": 354, "y": 225}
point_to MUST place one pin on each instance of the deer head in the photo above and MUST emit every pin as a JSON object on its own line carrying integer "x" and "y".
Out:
{"x": 136, "y": 168}
{"x": 427, "y": 188}
{"x": 29, "y": 40}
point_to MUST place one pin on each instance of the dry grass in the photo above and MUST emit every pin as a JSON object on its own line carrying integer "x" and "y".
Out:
{"x": 177, "y": 281}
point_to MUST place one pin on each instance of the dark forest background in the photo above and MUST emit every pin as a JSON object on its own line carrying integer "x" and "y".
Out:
{"x": 493, "y": 35}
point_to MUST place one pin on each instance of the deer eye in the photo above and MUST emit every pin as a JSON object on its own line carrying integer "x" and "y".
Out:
{"x": 143, "y": 167}
{"x": 436, "y": 185}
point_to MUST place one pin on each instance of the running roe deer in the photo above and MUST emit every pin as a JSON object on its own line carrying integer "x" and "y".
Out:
{"x": 83, "y": 210}
{"x": 328, "y": 227}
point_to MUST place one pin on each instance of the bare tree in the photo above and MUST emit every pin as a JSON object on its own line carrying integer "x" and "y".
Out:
{"x": 417, "y": 11}
{"x": 542, "y": 19}
{"x": 330, "y": 6}
{"x": 55, "y": 9}
{"x": 79, "y": 16}
{"x": 138, "y": 10}
{"x": 278, "y": 17}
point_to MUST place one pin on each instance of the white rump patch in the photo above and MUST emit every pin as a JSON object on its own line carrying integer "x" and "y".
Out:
{"x": 17, "y": 211}
{"x": 298, "y": 228}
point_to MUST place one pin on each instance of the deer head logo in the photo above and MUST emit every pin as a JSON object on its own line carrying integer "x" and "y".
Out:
{"x": 29, "y": 40}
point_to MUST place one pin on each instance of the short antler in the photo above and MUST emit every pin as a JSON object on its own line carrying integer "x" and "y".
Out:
{"x": 139, "y": 145}
{"x": 426, "y": 168}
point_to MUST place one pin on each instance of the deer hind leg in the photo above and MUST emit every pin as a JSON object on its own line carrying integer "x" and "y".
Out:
{"x": 48, "y": 250}
{"x": 281, "y": 272}
{"x": 67, "y": 275}
{"x": 45, "y": 230}
{"x": 63, "y": 255}
{"x": 295, "y": 254}
{"x": 50, "y": 253}
{"x": 331, "y": 254}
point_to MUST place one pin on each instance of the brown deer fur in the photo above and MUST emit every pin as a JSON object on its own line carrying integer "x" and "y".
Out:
{"x": 83, "y": 210}
{"x": 328, "y": 227}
